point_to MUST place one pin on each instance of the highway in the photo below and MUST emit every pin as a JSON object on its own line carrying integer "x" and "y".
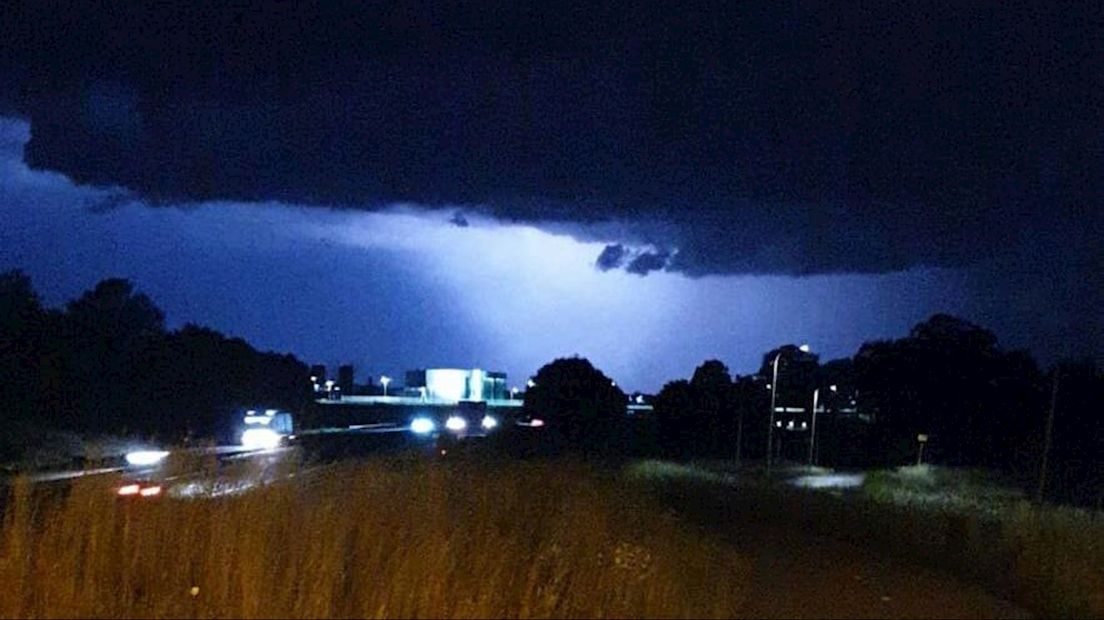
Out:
{"x": 327, "y": 443}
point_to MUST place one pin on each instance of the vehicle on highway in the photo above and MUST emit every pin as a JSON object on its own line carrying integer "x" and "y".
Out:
{"x": 142, "y": 477}
{"x": 267, "y": 429}
{"x": 139, "y": 488}
{"x": 469, "y": 419}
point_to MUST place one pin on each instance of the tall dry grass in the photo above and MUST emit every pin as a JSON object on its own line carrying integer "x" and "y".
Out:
{"x": 549, "y": 539}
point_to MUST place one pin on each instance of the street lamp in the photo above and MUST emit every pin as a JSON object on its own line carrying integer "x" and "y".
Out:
{"x": 774, "y": 393}
{"x": 531, "y": 383}
{"x": 770, "y": 424}
{"x": 812, "y": 431}
{"x": 329, "y": 388}
{"x": 384, "y": 379}
{"x": 513, "y": 392}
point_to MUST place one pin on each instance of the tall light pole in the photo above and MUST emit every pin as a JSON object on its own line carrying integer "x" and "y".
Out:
{"x": 812, "y": 431}
{"x": 770, "y": 423}
{"x": 384, "y": 379}
{"x": 774, "y": 392}
{"x": 1046, "y": 441}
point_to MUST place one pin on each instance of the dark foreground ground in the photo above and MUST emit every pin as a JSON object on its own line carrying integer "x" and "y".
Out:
{"x": 797, "y": 575}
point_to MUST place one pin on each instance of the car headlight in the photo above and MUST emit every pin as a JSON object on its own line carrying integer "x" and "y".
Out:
{"x": 489, "y": 422}
{"x": 456, "y": 423}
{"x": 145, "y": 457}
{"x": 260, "y": 439}
{"x": 422, "y": 426}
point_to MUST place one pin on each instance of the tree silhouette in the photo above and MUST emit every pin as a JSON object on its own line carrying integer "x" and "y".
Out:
{"x": 699, "y": 416}
{"x": 19, "y": 304}
{"x": 106, "y": 365}
{"x": 675, "y": 408}
{"x": 21, "y": 329}
{"x": 579, "y": 403}
{"x": 112, "y": 310}
{"x": 949, "y": 380}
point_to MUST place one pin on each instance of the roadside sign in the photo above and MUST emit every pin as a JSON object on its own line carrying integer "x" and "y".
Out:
{"x": 922, "y": 438}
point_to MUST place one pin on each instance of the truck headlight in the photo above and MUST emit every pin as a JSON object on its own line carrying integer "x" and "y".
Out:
{"x": 260, "y": 439}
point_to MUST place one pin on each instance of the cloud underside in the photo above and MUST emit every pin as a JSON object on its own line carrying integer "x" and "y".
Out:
{"x": 771, "y": 154}
{"x": 638, "y": 261}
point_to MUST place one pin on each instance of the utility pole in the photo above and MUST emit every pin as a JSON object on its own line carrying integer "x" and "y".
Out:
{"x": 739, "y": 435}
{"x": 770, "y": 422}
{"x": 1047, "y": 437}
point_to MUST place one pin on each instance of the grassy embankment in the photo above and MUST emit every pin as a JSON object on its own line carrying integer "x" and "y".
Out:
{"x": 367, "y": 540}
{"x": 1047, "y": 559}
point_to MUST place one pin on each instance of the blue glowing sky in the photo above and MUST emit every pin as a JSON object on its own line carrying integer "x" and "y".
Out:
{"x": 403, "y": 287}
{"x": 523, "y": 180}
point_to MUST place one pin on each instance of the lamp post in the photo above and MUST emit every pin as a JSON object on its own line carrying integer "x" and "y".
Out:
{"x": 812, "y": 431}
{"x": 774, "y": 392}
{"x": 329, "y": 388}
{"x": 384, "y": 379}
{"x": 514, "y": 392}
{"x": 770, "y": 423}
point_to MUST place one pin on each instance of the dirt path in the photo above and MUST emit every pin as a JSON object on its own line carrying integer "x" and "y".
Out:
{"x": 802, "y": 576}
{"x": 799, "y": 574}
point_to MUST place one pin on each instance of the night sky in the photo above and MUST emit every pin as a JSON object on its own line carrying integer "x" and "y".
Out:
{"x": 495, "y": 185}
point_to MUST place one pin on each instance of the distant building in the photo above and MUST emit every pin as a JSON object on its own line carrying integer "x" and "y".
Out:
{"x": 433, "y": 392}
{"x": 456, "y": 384}
{"x": 840, "y": 403}
{"x": 345, "y": 379}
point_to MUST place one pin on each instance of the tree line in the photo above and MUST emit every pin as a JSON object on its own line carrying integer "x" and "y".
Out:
{"x": 948, "y": 382}
{"x": 105, "y": 364}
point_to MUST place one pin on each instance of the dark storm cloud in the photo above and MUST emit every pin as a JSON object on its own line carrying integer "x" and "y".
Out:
{"x": 754, "y": 139}
{"x": 612, "y": 257}
{"x": 646, "y": 262}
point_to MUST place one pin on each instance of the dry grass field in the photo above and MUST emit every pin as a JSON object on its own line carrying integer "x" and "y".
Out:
{"x": 369, "y": 539}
